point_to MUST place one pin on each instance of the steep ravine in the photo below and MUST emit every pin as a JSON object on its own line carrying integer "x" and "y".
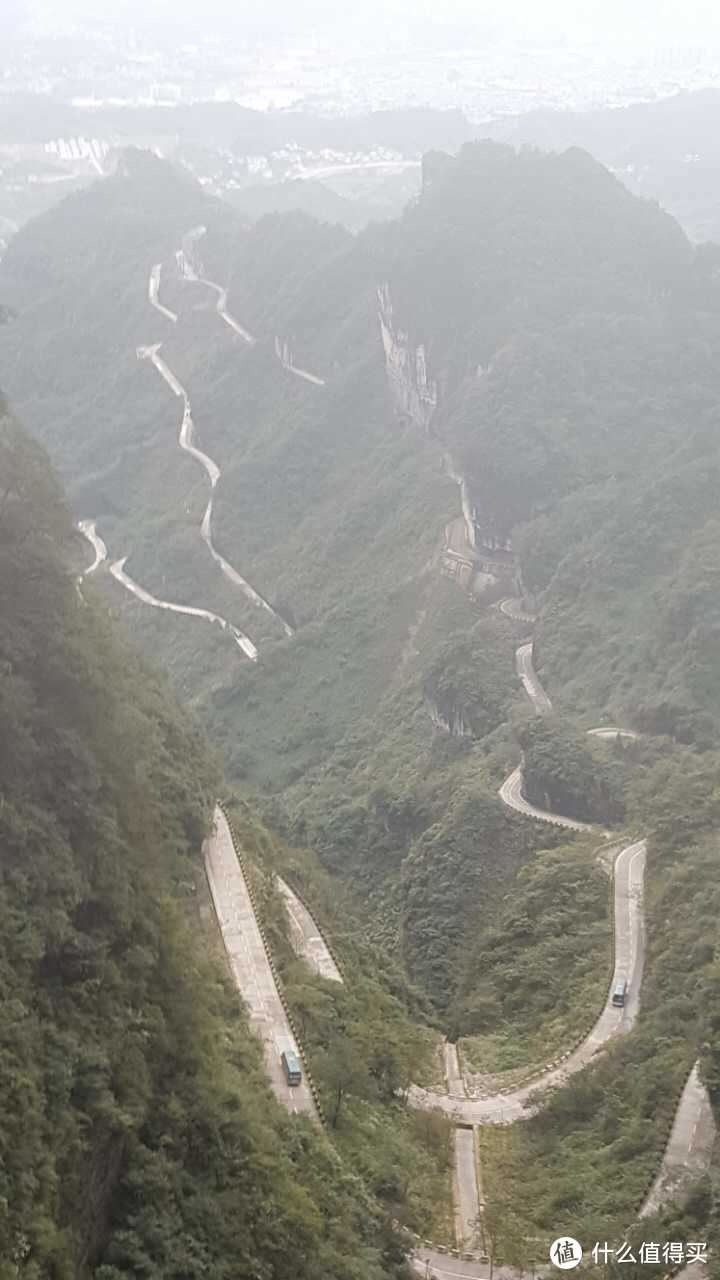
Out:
{"x": 416, "y": 396}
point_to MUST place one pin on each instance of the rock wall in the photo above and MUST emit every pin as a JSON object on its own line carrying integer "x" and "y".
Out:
{"x": 452, "y": 720}
{"x": 414, "y": 393}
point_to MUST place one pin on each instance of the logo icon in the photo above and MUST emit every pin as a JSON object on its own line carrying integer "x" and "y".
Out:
{"x": 566, "y": 1253}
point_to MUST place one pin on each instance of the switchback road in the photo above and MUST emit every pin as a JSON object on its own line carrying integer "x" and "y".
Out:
{"x": 185, "y": 440}
{"x": 284, "y": 355}
{"x": 629, "y": 957}
{"x": 117, "y": 569}
{"x": 250, "y": 965}
{"x": 88, "y": 530}
{"x": 154, "y": 291}
{"x": 530, "y": 682}
{"x": 689, "y": 1148}
{"x": 190, "y": 266}
{"x": 191, "y": 269}
{"x": 243, "y": 642}
{"x": 511, "y": 794}
{"x": 514, "y": 609}
{"x": 307, "y": 940}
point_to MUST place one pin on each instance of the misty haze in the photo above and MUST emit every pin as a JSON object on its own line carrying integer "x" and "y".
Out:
{"x": 360, "y": 640}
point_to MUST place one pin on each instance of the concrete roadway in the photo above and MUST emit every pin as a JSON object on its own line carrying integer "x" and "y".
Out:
{"x": 307, "y": 940}
{"x": 154, "y": 294}
{"x": 249, "y": 964}
{"x": 88, "y": 530}
{"x": 188, "y": 261}
{"x": 243, "y": 642}
{"x": 465, "y": 1191}
{"x": 514, "y": 609}
{"x": 511, "y": 794}
{"x": 185, "y": 440}
{"x": 283, "y": 353}
{"x": 629, "y": 957}
{"x": 689, "y": 1148}
{"x": 453, "y": 1073}
{"x": 531, "y": 684}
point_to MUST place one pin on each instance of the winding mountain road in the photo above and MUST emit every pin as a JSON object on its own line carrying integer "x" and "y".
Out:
{"x": 117, "y": 569}
{"x": 154, "y": 294}
{"x": 690, "y": 1144}
{"x": 243, "y": 642}
{"x": 517, "y": 1103}
{"x": 307, "y": 940}
{"x": 190, "y": 267}
{"x": 88, "y": 530}
{"x": 284, "y": 355}
{"x": 529, "y": 680}
{"x": 185, "y": 440}
{"x": 514, "y": 609}
{"x": 689, "y": 1149}
{"x": 511, "y": 794}
{"x": 250, "y": 965}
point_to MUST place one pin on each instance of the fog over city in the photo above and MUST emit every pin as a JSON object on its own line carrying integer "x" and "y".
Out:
{"x": 665, "y": 22}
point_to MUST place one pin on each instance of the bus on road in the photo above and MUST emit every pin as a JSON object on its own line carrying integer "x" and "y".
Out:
{"x": 291, "y": 1066}
{"x": 619, "y": 993}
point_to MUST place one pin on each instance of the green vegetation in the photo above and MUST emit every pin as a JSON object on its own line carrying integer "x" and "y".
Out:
{"x": 536, "y": 977}
{"x": 591, "y": 1152}
{"x": 564, "y": 773}
{"x": 572, "y": 330}
{"x": 138, "y": 1134}
{"x": 365, "y": 1042}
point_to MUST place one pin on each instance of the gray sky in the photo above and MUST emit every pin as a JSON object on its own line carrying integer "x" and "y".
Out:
{"x": 649, "y": 22}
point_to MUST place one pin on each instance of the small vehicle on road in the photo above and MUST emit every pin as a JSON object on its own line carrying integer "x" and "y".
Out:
{"x": 291, "y": 1066}
{"x": 619, "y": 993}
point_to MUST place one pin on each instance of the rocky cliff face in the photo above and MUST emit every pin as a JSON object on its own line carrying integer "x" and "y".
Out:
{"x": 450, "y": 718}
{"x": 413, "y": 392}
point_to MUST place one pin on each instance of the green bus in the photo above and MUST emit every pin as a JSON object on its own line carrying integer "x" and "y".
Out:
{"x": 619, "y": 993}
{"x": 291, "y": 1066}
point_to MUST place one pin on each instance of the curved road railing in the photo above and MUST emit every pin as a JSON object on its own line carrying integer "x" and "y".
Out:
{"x": 191, "y": 269}
{"x": 117, "y": 569}
{"x": 185, "y": 440}
{"x": 251, "y": 964}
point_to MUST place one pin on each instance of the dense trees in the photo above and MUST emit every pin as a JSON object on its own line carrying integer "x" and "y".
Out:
{"x": 573, "y": 333}
{"x": 563, "y": 773}
{"x": 138, "y": 1136}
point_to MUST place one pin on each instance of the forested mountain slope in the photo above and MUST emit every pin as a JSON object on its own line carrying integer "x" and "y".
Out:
{"x": 551, "y": 333}
{"x": 138, "y": 1135}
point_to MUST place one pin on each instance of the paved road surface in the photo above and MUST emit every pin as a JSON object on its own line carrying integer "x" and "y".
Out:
{"x": 511, "y": 794}
{"x": 514, "y": 609}
{"x": 453, "y": 1074}
{"x": 307, "y": 940}
{"x": 153, "y": 294}
{"x": 690, "y": 1145}
{"x": 249, "y": 963}
{"x": 242, "y": 641}
{"x": 689, "y": 1148}
{"x": 429, "y": 1262}
{"x": 185, "y": 440}
{"x": 611, "y": 731}
{"x": 188, "y": 260}
{"x": 467, "y": 1205}
{"x": 88, "y": 530}
{"x": 629, "y": 957}
{"x": 284, "y": 355}
{"x": 468, "y": 513}
{"x": 531, "y": 684}
{"x": 456, "y": 541}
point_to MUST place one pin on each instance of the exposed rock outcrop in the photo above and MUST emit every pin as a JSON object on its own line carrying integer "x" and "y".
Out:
{"x": 413, "y": 392}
